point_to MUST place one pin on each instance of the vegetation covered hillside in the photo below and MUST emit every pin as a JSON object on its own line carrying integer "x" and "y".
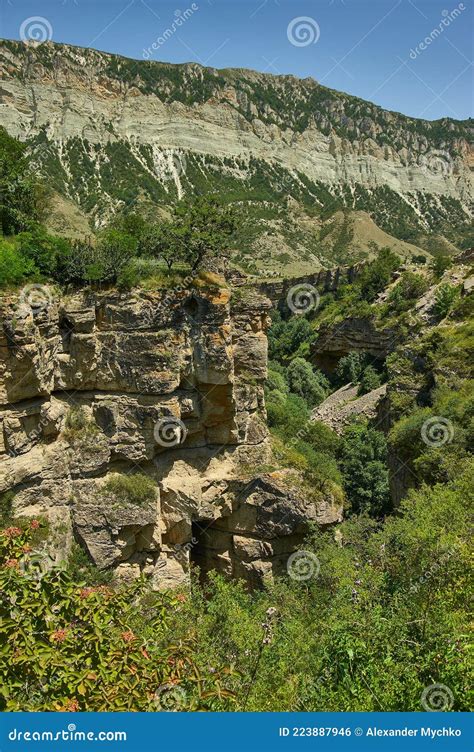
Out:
{"x": 289, "y": 154}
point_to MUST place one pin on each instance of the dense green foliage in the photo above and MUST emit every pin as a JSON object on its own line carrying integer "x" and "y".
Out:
{"x": 307, "y": 382}
{"x": 68, "y": 646}
{"x": 408, "y": 289}
{"x": 21, "y": 197}
{"x": 386, "y": 617}
{"x": 363, "y": 461}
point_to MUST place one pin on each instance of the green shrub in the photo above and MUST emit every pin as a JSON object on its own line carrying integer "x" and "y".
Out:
{"x": 135, "y": 488}
{"x": 408, "y": 289}
{"x": 46, "y": 252}
{"x": 78, "y": 427}
{"x": 370, "y": 380}
{"x": 363, "y": 462}
{"x": 21, "y": 195}
{"x": 6, "y": 502}
{"x": 14, "y": 268}
{"x": 376, "y": 275}
{"x": 445, "y": 299}
{"x": 276, "y": 380}
{"x": 103, "y": 261}
{"x": 289, "y": 412}
{"x": 440, "y": 264}
{"x": 81, "y": 569}
{"x": 66, "y": 646}
{"x": 306, "y": 382}
{"x": 137, "y": 270}
{"x": 349, "y": 368}
{"x": 289, "y": 338}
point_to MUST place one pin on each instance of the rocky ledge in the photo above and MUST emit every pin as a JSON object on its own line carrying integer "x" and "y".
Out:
{"x": 165, "y": 386}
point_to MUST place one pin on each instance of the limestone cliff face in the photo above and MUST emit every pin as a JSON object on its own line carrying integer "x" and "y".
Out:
{"x": 351, "y": 335}
{"x": 172, "y": 124}
{"x": 325, "y": 280}
{"x": 168, "y": 384}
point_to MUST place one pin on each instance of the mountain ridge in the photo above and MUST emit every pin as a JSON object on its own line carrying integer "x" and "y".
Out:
{"x": 111, "y": 132}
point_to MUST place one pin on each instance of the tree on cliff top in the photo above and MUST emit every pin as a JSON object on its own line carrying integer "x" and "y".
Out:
{"x": 203, "y": 226}
{"x": 199, "y": 228}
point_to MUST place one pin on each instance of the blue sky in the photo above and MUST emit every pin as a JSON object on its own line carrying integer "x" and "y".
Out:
{"x": 369, "y": 48}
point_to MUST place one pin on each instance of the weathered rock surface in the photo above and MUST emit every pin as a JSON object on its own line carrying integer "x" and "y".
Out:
{"x": 351, "y": 335}
{"x": 167, "y": 384}
{"x": 325, "y": 280}
{"x": 341, "y": 406}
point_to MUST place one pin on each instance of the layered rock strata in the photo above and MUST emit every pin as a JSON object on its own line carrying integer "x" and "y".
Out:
{"x": 95, "y": 386}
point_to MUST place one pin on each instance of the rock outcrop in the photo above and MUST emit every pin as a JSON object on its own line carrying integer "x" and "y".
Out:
{"x": 338, "y": 410}
{"x": 325, "y": 280}
{"x": 98, "y": 387}
{"x": 351, "y": 335}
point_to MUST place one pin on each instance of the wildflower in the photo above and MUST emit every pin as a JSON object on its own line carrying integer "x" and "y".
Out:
{"x": 181, "y": 598}
{"x": 128, "y": 636}
{"x": 35, "y": 524}
{"x": 87, "y": 591}
{"x": 71, "y": 706}
{"x": 267, "y": 633}
{"x": 12, "y": 532}
{"x": 59, "y": 635}
{"x": 26, "y": 549}
{"x": 11, "y": 563}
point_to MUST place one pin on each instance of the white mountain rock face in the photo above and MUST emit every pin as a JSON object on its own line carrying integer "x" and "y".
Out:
{"x": 108, "y": 133}
{"x": 217, "y": 130}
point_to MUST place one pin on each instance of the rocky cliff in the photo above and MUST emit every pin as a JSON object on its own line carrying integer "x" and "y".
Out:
{"x": 109, "y": 131}
{"x": 101, "y": 390}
